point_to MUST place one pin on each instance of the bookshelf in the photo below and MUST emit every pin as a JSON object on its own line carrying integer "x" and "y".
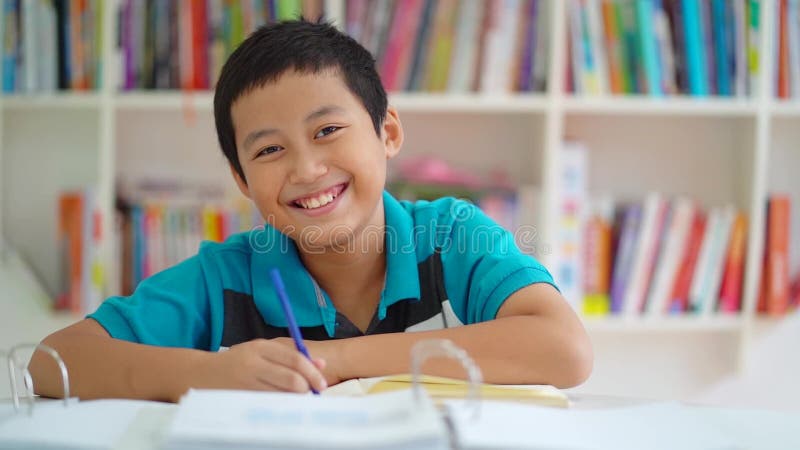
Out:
{"x": 717, "y": 150}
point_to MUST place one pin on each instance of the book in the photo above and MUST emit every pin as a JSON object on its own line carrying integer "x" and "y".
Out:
{"x": 653, "y": 217}
{"x": 441, "y": 388}
{"x": 670, "y": 256}
{"x": 598, "y": 258}
{"x": 731, "y": 290}
{"x": 679, "y": 299}
{"x": 623, "y": 261}
{"x": 776, "y": 270}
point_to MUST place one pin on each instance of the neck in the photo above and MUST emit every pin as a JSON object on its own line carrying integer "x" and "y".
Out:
{"x": 361, "y": 260}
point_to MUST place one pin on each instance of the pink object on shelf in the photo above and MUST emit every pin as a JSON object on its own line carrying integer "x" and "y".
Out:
{"x": 432, "y": 170}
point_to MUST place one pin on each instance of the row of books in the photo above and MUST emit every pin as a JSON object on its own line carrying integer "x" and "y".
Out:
{"x": 664, "y": 257}
{"x": 663, "y": 47}
{"x": 653, "y": 258}
{"x": 52, "y": 44}
{"x": 167, "y": 44}
{"x": 156, "y": 234}
{"x": 455, "y": 46}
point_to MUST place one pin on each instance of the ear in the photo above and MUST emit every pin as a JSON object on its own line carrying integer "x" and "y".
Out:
{"x": 240, "y": 182}
{"x": 392, "y": 133}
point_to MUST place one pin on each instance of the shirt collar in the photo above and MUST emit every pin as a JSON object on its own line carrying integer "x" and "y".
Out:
{"x": 271, "y": 248}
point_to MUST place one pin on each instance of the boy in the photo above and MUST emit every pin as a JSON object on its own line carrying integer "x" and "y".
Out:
{"x": 302, "y": 118}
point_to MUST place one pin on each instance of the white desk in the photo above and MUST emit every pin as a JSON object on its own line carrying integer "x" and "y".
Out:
{"x": 147, "y": 422}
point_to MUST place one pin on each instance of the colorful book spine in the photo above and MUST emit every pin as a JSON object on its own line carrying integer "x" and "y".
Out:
{"x": 624, "y": 255}
{"x": 783, "y": 50}
{"x": 289, "y": 9}
{"x": 614, "y": 49}
{"x": 653, "y": 218}
{"x": 10, "y": 45}
{"x": 394, "y": 61}
{"x": 666, "y": 52}
{"x": 679, "y": 299}
{"x": 731, "y": 291}
{"x": 649, "y": 47}
{"x": 440, "y": 50}
{"x": 710, "y": 288}
{"x": 695, "y": 48}
{"x": 525, "y": 75}
{"x": 753, "y": 44}
{"x": 670, "y": 256}
{"x": 720, "y": 24}
{"x": 420, "y": 54}
{"x": 598, "y": 259}
{"x": 470, "y": 15}
{"x": 776, "y": 273}
{"x": 794, "y": 48}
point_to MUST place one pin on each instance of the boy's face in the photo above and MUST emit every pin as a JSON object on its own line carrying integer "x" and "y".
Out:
{"x": 314, "y": 166}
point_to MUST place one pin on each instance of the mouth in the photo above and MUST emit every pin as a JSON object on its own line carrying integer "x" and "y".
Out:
{"x": 321, "y": 200}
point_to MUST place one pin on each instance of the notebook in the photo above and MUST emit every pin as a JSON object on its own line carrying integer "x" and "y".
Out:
{"x": 95, "y": 424}
{"x": 440, "y": 388}
{"x": 223, "y": 419}
{"x": 668, "y": 426}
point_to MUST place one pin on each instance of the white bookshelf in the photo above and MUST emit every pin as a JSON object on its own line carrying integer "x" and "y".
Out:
{"x": 716, "y": 150}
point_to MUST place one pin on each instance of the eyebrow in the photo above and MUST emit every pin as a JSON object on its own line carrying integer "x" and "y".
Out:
{"x": 320, "y": 112}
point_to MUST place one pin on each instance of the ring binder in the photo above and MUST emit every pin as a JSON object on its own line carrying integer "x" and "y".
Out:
{"x": 434, "y": 348}
{"x": 14, "y": 367}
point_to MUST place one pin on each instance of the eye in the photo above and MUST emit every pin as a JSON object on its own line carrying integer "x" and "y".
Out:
{"x": 269, "y": 150}
{"x": 326, "y": 131}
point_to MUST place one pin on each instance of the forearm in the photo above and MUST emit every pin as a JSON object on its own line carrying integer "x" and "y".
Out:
{"x": 510, "y": 350}
{"x": 101, "y": 366}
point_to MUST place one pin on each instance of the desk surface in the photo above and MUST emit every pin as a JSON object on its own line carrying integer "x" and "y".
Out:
{"x": 769, "y": 429}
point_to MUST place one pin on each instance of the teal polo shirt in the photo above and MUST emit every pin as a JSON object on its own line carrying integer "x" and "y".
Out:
{"x": 447, "y": 264}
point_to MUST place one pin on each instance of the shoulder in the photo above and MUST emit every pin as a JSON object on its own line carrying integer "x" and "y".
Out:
{"x": 233, "y": 254}
{"x": 445, "y": 211}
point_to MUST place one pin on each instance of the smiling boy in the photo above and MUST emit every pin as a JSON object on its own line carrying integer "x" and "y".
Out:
{"x": 303, "y": 120}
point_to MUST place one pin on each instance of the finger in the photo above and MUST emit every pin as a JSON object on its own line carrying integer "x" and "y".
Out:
{"x": 285, "y": 379}
{"x": 296, "y": 362}
{"x": 320, "y": 363}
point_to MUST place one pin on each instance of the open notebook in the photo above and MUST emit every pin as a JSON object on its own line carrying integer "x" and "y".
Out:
{"x": 223, "y": 419}
{"x": 440, "y": 388}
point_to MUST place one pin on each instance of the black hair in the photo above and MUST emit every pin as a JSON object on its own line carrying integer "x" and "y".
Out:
{"x": 302, "y": 46}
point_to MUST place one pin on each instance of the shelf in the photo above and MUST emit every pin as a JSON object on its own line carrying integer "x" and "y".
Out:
{"x": 510, "y": 103}
{"x": 673, "y": 106}
{"x": 165, "y": 100}
{"x": 66, "y": 100}
{"x": 204, "y": 101}
{"x": 784, "y": 108}
{"x": 662, "y": 324}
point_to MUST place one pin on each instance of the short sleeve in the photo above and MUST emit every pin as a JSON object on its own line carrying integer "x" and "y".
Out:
{"x": 482, "y": 264}
{"x": 168, "y": 309}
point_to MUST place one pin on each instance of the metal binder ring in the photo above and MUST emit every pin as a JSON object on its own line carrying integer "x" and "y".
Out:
{"x": 432, "y": 348}
{"x": 28, "y": 380}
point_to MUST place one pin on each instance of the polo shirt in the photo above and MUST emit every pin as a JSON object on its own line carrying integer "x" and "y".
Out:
{"x": 447, "y": 264}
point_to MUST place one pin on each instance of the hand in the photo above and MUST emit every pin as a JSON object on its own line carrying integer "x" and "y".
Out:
{"x": 263, "y": 365}
{"x": 325, "y": 351}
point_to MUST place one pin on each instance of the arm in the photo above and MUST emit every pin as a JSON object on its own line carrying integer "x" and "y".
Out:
{"x": 101, "y": 367}
{"x": 535, "y": 339}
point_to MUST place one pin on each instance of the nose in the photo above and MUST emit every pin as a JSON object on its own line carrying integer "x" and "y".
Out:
{"x": 307, "y": 167}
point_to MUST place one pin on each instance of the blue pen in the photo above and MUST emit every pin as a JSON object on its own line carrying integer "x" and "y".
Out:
{"x": 294, "y": 330}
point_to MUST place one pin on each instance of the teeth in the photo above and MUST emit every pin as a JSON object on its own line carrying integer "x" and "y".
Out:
{"x": 316, "y": 202}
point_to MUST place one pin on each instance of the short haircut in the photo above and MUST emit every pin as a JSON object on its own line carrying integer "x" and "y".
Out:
{"x": 302, "y": 46}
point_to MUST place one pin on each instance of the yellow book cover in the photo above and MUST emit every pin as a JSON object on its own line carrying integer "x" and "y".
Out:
{"x": 440, "y": 388}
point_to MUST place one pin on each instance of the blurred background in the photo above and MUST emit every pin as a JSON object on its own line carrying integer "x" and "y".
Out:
{"x": 646, "y": 151}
